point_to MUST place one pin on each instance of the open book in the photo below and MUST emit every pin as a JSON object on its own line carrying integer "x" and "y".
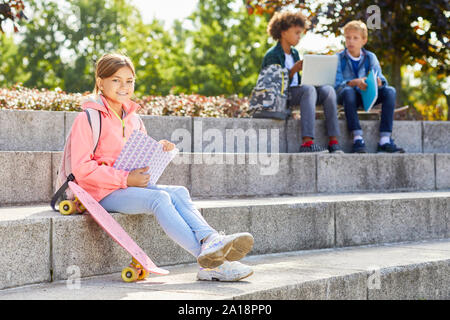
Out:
{"x": 370, "y": 95}
{"x": 141, "y": 151}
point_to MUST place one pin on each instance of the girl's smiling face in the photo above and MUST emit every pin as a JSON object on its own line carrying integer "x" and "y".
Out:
{"x": 119, "y": 87}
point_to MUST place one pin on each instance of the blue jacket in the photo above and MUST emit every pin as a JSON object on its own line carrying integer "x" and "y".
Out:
{"x": 345, "y": 72}
{"x": 275, "y": 55}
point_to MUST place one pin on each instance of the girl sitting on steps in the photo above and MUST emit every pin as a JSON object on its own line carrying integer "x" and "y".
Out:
{"x": 130, "y": 192}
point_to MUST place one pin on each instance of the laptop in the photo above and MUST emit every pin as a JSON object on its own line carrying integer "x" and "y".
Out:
{"x": 319, "y": 70}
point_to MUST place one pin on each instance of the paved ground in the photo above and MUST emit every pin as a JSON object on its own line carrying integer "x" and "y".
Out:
{"x": 355, "y": 273}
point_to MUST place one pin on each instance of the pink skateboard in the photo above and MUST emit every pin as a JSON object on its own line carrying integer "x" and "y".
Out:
{"x": 141, "y": 264}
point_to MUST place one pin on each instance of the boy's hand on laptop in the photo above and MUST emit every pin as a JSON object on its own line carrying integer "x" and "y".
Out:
{"x": 167, "y": 145}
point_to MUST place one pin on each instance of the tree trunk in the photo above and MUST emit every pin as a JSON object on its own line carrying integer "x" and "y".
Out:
{"x": 397, "y": 76}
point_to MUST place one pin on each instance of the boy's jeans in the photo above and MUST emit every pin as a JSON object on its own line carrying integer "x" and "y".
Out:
{"x": 172, "y": 207}
{"x": 307, "y": 97}
{"x": 351, "y": 99}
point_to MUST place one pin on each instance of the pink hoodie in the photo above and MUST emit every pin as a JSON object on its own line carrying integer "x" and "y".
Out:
{"x": 94, "y": 172}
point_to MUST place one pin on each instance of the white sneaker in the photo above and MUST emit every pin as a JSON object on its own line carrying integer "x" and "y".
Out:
{"x": 220, "y": 248}
{"x": 228, "y": 271}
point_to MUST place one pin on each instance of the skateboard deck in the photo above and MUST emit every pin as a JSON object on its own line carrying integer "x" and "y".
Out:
{"x": 115, "y": 231}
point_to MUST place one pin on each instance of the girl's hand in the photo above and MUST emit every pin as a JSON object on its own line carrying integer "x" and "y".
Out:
{"x": 379, "y": 82}
{"x": 138, "y": 178}
{"x": 167, "y": 145}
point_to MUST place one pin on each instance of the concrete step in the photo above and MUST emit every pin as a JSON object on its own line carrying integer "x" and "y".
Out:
{"x": 46, "y": 244}
{"x": 46, "y": 131}
{"x": 28, "y": 176}
{"x": 419, "y": 270}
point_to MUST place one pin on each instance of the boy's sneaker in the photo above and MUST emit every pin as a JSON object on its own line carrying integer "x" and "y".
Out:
{"x": 359, "y": 146}
{"x": 310, "y": 146}
{"x": 390, "y": 147}
{"x": 221, "y": 247}
{"x": 333, "y": 147}
{"x": 228, "y": 271}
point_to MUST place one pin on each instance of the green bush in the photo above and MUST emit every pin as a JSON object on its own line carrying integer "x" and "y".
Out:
{"x": 21, "y": 98}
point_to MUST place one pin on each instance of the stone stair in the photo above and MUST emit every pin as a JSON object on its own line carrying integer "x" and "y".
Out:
{"x": 297, "y": 206}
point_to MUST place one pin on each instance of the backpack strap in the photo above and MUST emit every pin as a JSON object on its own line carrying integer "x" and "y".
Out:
{"x": 95, "y": 121}
{"x": 61, "y": 191}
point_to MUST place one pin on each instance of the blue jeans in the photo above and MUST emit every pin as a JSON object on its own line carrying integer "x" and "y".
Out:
{"x": 172, "y": 207}
{"x": 351, "y": 99}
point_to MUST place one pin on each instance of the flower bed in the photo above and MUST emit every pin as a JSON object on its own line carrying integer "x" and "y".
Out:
{"x": 21, "y": 98}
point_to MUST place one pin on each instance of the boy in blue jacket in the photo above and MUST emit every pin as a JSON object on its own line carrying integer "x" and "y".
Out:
{"x": 354, "y": 64}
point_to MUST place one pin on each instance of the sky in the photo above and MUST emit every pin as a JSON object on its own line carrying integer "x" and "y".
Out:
{"x": 167, "y": 10}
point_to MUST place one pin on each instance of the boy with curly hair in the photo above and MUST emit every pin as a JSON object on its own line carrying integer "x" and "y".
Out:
{"x": 353, "y": 66}
{"x": 286, "y": 28}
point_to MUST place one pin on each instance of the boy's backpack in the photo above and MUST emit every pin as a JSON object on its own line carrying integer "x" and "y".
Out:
{"x": 64, "y": 174}
{"x": 269, "y": 98}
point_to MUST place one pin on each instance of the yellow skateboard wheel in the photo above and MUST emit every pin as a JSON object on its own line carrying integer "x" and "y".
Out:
{"x": 143, "y": 274}
{"x": 80, "y": 208}
{"x": 66, "y": 207}
{"x": 130, "y": 274}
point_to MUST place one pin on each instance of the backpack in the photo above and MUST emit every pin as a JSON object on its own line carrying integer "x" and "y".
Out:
{"x": 64, "y": 174}
{"x": 270, "y": 95}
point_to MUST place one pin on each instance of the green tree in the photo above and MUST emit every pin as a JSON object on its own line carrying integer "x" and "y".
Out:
{"x": 151, "y": 47}
{"x": 10, "y": 73}
{"x": 63, "y": 40}
{"x": 102, "y": 28}
{"x": 430, "y": 95}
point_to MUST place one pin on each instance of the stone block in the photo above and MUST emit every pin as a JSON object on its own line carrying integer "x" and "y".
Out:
{"x": 370, "y": 172}
{"x": 252, "y": 174}
{"x": 178, "y": 172}
{"x": 384, "y": 221}
{"x": 290, "y": 227}
{"x": 25, "y": 251}
{"x": 408, "y": 135}
{"x": 25, "y": 177}
{"x": 175, "y": 129}
{"x": 241, "y": 135}
{"x": 423, "y": 281}
{"x": 31, "y": 130}
{"x": 436, "y": 136}
{"x": 69, "y": 119}
{"x": 443, "y": 171}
